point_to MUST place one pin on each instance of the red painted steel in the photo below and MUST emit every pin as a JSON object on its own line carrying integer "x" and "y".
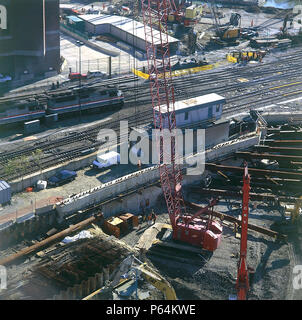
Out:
{"x": 242, "y": 283}
{"x": 162, "y": 93}
{"x": 195, "y": 230}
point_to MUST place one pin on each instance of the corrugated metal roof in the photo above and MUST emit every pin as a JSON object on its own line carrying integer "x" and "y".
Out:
{"x": 126, "y": 24}
{"x": 195, "y": 102}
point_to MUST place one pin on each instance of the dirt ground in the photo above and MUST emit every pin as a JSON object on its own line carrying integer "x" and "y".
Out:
{"x": 213, "y": 277}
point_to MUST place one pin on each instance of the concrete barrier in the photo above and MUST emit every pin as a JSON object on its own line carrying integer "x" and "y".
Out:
{"x": 47, "y": 217}
{"x": 6, "y": 225}
{"x": 31, "y": 180}
{"x": 13, "y": 231}
{"x": 25, "y": 217}
{"x": 141, "y": 178}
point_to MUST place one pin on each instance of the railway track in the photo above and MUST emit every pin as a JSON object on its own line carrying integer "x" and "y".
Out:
{"x": 88, "y": 137}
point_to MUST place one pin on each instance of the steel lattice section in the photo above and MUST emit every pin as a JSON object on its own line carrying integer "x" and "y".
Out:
{"x": 155, "y": 13}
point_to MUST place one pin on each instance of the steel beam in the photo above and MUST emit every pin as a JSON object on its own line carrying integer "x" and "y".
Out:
{"x": 282, "y": 142}
{"x": 232, "y": 219}
{"x": 53, "y": 239}
{"x": 269, "y": 156}
{"x": 259, "y": 172}
{"x": 238, "y": 194}
{"x": 281, "y": 131}
{"x": 286, "y": 150}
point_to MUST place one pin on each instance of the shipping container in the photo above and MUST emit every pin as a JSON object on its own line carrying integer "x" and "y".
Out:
{"x": 5, "y": 192}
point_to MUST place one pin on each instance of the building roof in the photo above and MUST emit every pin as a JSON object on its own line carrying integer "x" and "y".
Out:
{"x": 74, "y": 19}
{"x": 195, "y": 103}
{"x": 126, "y": 24}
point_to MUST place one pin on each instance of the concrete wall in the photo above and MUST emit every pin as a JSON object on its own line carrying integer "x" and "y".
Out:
{"x": 46, "y": 218}
{"x": 100, "y": 29}
{"x": 133, "y": 203}
{"x": 217, "y": 134}
{"x": 14, "y": 231}
{"x": 19, "y": 186}
{"x": 128, "y": 38}
{"x": 142, "y": 178}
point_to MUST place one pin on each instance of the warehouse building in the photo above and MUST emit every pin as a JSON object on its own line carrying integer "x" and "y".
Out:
{"x": 122, "y": 28}
{"x": 30, "y": 46}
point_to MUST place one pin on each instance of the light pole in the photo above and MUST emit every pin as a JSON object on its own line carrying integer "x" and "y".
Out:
{"x": 80, "y": 44}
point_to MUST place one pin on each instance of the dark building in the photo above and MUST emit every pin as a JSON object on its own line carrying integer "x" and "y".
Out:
{"x": 31, "y": 42}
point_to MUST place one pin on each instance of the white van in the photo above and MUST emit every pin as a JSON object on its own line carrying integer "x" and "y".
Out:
{"x": 105, "y": 160}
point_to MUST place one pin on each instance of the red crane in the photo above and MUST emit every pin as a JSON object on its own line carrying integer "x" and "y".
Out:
{"x": 193, "y": 229}
{"x": 242, "y": 283}
{"x": 177, "y": 10}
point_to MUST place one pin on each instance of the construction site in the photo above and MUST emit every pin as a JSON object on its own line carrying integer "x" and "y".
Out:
{"x": 162, "y": 159}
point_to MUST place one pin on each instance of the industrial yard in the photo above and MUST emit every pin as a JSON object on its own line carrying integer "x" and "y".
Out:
{"x": 95, "y": 206}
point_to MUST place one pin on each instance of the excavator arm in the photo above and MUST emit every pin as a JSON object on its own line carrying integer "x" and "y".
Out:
{"x": 146, "y": 272}
{"x": 157, "y": 281}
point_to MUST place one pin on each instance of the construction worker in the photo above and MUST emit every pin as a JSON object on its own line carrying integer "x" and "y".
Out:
{"x": 149, "y": 219}
{"x": 139, "y": 164}
{"x": 153, "y": 215}
{"x": 142, "y": 209}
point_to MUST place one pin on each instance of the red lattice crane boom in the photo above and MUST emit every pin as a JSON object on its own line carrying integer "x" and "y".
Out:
{"x": 193, "y": 229}
{"x": 162, "y": 93}
{"x": 242, "y": 283}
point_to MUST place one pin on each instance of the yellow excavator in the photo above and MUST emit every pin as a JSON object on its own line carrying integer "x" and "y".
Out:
{"x": 150, "y": 275}
{"x": 157, "y": 281}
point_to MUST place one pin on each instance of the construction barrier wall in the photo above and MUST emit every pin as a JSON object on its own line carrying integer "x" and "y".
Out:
{"x": 142, "y": 178}
{"x": 85, "y": 288}
{"x": 45, "y": 218}
{"x": 29, "y": 225}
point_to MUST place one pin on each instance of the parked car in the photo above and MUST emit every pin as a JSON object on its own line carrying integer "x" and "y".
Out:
{"x": 4, "y": 78}
{"x": 106, "y": 160}
{"x": 62, "y": 177}
{"x": 77, "y": 76}
{"x": 95, "y": 74}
